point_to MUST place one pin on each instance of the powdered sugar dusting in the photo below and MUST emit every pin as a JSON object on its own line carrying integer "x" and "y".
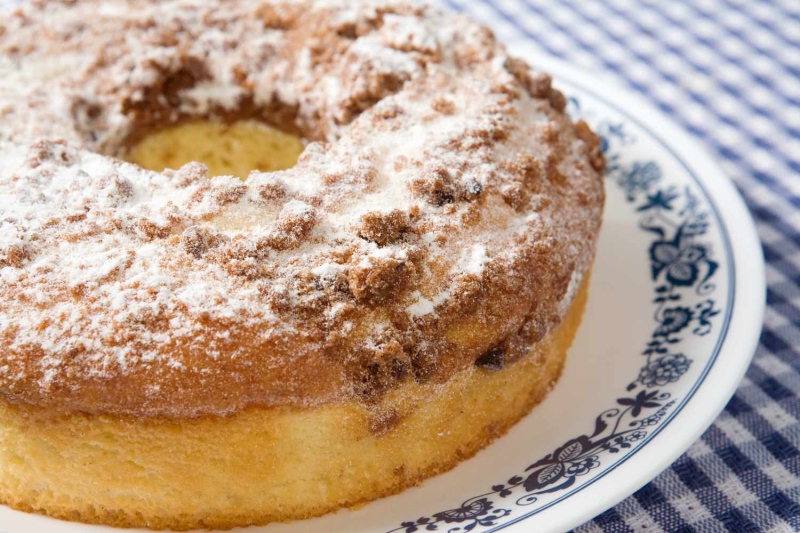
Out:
{"x": 477, "y": 260}
{"x": 439, "y": 181}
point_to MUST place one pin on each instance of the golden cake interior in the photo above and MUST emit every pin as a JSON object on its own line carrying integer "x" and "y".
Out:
{"x": 289, "y": 463}
{"x": 233, "y": 149}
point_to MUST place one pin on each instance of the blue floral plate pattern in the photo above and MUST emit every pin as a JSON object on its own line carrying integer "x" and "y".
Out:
{"x": 679, "y": 219}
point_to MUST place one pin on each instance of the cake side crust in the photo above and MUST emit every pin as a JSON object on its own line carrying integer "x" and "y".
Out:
{"x": 220, "y": 473}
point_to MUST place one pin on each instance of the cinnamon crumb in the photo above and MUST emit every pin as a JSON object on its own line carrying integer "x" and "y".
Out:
{"x": 383, "y": 228}
{"x": 443, "y": 105}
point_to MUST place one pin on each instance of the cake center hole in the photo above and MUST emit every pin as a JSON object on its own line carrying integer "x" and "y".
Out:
{"x": 226, "y": 149}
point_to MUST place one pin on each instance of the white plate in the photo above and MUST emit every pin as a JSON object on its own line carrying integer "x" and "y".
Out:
{"x": 674, "y": 314}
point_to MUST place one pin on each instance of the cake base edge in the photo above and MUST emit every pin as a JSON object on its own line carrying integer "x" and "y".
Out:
{"x": 265, "y": 465}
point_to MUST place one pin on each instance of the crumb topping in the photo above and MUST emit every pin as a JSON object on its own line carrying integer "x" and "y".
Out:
{"x": 440, "y": 216}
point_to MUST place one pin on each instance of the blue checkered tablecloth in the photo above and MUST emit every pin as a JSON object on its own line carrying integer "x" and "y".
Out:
{"x": 729, "y": 72}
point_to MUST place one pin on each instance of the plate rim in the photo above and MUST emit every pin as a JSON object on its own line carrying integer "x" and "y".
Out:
{"x": 737, "y": 344}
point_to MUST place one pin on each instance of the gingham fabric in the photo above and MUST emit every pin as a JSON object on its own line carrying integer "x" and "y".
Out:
{"x": 729, "y": 72}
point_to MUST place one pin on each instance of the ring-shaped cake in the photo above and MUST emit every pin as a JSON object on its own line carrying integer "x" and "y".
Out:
{"x": 183, "y": 351}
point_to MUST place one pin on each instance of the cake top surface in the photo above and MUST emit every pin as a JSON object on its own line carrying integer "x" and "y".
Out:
{"x": 444, "y": 206}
